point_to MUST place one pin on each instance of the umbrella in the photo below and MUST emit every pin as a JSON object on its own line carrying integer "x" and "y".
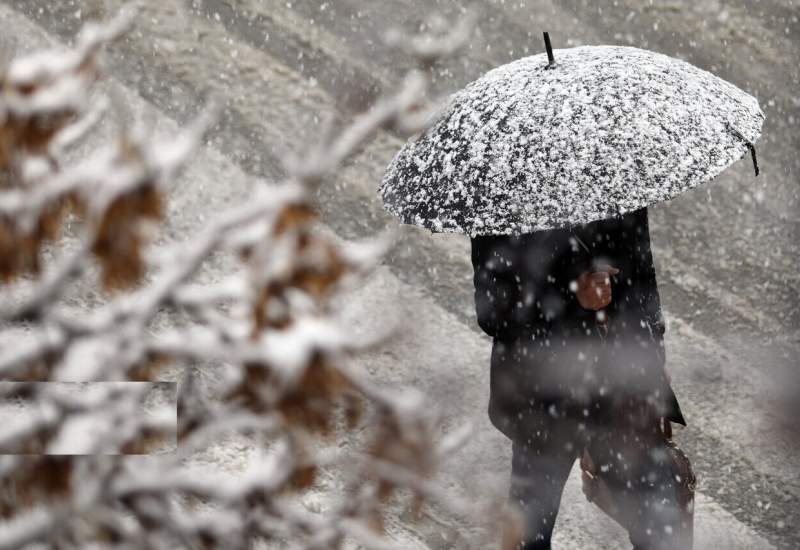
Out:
{"x": 586, "y": 134}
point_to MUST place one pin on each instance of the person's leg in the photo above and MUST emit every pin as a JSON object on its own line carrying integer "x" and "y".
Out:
{"x": 539, "y": 469}
{"x": 635, "y": 461}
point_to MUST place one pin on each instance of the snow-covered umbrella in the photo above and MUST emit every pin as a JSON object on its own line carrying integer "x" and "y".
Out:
{"x": 587, "y": 134}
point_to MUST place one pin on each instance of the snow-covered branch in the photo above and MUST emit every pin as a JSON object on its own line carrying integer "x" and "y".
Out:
{"x": 261, "y": 355}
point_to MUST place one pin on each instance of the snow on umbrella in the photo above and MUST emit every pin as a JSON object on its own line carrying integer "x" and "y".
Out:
{"x": 600, "y": 131}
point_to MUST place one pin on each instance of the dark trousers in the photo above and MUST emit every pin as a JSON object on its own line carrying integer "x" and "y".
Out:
{"x": 630, "y": 456}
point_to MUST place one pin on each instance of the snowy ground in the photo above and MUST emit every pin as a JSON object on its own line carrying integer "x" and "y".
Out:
{"x": 724, "y": 254}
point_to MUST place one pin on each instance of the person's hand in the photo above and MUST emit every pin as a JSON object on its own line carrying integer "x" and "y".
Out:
{"x": 593, "y": 289}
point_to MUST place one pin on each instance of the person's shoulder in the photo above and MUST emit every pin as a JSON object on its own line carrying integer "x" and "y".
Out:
{"x": 492, "y": 245}
{"x": 636, "y": 219}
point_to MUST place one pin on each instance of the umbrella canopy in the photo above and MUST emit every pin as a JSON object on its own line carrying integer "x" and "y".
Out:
{"x": 603, "y": 131}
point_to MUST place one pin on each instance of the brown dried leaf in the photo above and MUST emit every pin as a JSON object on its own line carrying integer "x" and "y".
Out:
{"x": 303, "y": 477}
{"x": 248, "y": 393}
{"x": 147, "y": 371}
{"x": 6, "y": 145}
{"x": 293, "y": 216}
{"x": 118, "y": 243}
{"x": 310, "y": 403}
{"x": 265, "y": 313}
{"x": 33, "y": 135}
{"x": 38, "y": 479}
{"x": 353, "y": 409}
{"x": 144, "y": 443}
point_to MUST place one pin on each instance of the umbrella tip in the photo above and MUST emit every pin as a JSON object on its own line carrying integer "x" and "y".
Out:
{"x": 749, "y": 145}
{"x": 550, "y": 59}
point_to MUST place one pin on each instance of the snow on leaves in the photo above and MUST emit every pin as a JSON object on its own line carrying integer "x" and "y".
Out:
{"x": 279, "y": 356}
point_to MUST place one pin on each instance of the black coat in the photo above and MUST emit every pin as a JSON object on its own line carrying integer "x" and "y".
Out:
{"x": 549, "y": 357}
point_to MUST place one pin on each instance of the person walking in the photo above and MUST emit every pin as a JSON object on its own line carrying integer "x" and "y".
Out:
{"x": 578, "y": 365}
{"x": 548, "y": 164}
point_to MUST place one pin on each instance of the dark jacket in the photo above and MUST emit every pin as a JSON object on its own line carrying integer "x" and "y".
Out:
{"x": 549, "y": 356}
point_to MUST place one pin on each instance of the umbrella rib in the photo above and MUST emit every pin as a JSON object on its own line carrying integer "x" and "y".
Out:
{"x": 753, "y": 155}
{"x": 581, "y": 243}
{"x": 749, "y": 145}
